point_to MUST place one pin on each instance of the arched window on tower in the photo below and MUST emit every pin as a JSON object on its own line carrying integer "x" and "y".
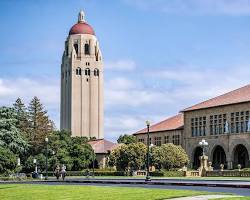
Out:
{"x": 86, "y": 49}
{"x": 66, "y": 50}
{"x": 78, "y": 71}
{"x": 76, "y": 48}
{"x": 87, "y": 72}
{"x": 96, "y": 72}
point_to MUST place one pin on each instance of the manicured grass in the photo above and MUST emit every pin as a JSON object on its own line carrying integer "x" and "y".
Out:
{"x": 155, "y": 177}
{"x": 49, "y": 192}
{"x": 235, "y": 198}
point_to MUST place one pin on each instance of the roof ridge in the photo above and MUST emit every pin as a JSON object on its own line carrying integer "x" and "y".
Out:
{"x": 162, "y": 122}
{"x": 214, "y": 98}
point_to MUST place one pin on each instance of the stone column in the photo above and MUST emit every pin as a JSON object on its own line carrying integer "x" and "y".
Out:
{"x": 203, "y": 167}
{"x": 229, "y": 164}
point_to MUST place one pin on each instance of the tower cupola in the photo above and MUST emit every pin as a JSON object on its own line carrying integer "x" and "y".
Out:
{"x": 81, "y": 27}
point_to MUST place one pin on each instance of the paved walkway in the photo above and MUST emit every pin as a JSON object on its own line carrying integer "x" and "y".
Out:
{"x": 204, "y": 197}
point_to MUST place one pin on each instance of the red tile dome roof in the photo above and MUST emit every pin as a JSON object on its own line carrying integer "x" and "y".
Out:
{"x": 81, "y": 28}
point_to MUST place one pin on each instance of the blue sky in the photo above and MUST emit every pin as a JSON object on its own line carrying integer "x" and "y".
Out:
{"x": 160, "y": 56}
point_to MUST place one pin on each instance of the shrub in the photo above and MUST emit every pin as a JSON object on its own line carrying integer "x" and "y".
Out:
{"x": 8, "y": 161}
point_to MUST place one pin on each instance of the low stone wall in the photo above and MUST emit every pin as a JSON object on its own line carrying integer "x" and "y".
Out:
{"x": 228, "y": 173}
{"x": 192, "y": 173}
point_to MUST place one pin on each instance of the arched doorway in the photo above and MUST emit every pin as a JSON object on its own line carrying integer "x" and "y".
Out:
{"x": 241, "y": 156}
{"x": 196, "y": 160}
{"x": 219, "y": 157}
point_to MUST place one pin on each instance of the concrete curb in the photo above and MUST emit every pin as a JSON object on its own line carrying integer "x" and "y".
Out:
{"x": 135, "y": 182}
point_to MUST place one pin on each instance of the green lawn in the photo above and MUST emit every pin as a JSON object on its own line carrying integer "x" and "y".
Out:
{"x": 235, "y": 198}
{"x": 49, "y": 192}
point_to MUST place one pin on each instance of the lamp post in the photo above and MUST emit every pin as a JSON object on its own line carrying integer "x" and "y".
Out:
{"x": 46, "y": 141}
{"x": 34, "y": 161}
{"x": 93, "y": 164}
{"x": 203, "y": 145}
{"x": 147, "y": 175}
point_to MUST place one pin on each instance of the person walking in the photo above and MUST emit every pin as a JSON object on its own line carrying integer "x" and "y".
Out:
{"x": 63, "y": 171}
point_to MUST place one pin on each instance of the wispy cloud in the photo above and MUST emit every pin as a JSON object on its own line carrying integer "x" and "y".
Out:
{"x": 129, "y": 101}
{"x": 45, "y": 89}
{"x": 195, "y": 7}
{"x": 120, "y": 65}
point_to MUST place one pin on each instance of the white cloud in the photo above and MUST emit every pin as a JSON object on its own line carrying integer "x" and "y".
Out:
{"x": 48, "y": 90}
{"x": 120, "y": 65}
{"x": 126, "y": 124}
{"x": 195, "y": 7}
{"x": 196, "y": 84}
{"x": 128, "y": 92}
{"x": 130, "y": 101}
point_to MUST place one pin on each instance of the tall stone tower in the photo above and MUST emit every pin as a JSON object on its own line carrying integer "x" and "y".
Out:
{"x": 82, "y": 82}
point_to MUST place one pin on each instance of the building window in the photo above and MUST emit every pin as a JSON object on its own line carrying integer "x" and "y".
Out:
{"x": 76, "y": 48}
{"x": 166, "y": 139}
{"x": 237, "y": 127}
{"x": 96, "y": 72}
{"x": 86, "y": 49}
{"x": 157, "y": 141}
{"x": 78, "y": 71}
{"x": 141, "y": 140}
{"x": 204, "y": 130}
{"x": 198, "y": 126}
{"x": 66, "y": 50}
{"x": 87, "y": 72}
{"x": 176, "y": 139}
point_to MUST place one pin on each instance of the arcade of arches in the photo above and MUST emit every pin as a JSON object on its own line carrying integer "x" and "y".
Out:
{"x": 218, "y": 156}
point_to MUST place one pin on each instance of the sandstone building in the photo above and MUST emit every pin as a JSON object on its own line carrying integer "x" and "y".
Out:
{"x": 222, "y": 121}
{"x": 82, "y": 82}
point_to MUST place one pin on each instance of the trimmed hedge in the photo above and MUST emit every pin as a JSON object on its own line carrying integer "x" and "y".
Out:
{"x": 167, "y": 173}
{"x": 157, "y": 173}
{"x": 173, "y": 173}
{"x": 119, "y": 173}
{"x": 109, "y": 173}
{"x": 89, "y": 172}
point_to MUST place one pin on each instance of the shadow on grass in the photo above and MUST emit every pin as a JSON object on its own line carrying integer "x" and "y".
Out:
{"x": 8, "y": 187}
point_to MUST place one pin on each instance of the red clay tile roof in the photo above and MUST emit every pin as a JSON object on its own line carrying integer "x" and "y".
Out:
{"x": 102, "y": 145}
{"x": 81, "y": 28}
{"x": 236, "y": 96}
{"x": 172, "y": 123}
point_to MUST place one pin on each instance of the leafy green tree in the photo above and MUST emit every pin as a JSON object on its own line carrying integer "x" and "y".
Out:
{"x": 29, "y": 165}
{"x": 10, "y": 135}
{"x": 169, "y": 156}
{"x": 22, "y": 116}
{"x": 81, "y": 155}
{"x": 8, "y": 161}
{"x": 131, "y": 156}
{"x": 40, "y": 125}
{"x": 126, "y": 139}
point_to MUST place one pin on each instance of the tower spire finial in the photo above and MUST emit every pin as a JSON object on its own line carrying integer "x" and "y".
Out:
{"x": 81, "y": 17}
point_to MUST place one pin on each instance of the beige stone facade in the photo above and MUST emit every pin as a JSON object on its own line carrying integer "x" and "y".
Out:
{"x": 164, "y": 137}
{"x": 224, "y": 122}
{"x": 82, "y": 82}
{"x": 226, "y": 131}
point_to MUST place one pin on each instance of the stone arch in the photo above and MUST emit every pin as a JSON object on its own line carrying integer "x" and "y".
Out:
{"x": 197, "y": 152}
{"x": 218, "y": 157}
{"x": 240, "y": 155}
{"x": 237, "y": 142}
{"x": 211, "y": 148}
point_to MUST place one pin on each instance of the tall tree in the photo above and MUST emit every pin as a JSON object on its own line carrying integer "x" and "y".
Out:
{"x": 8, "y": 161}
{"x": 40, "y": 124}
{"x": 131, "y": 156}
{"x": 169, "y": 156}
{"x": 126, "y": 139}
{"x": 10, "y": 135}
{"x": 22, "y": 116}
